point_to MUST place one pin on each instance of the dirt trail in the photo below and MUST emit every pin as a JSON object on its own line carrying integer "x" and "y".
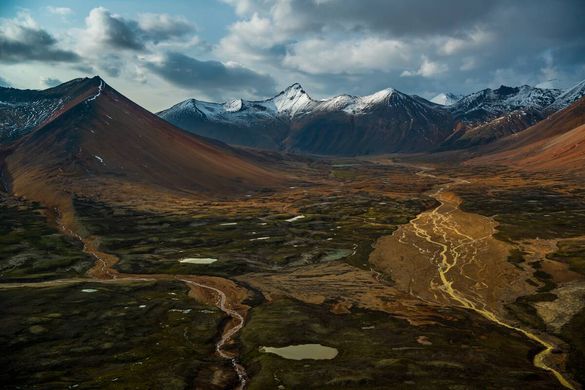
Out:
{"x": 450, "y": 257}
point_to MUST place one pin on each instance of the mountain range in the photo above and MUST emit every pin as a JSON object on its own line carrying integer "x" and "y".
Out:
{"x": 83, "y": 133}
{"x": 556, "y": 143}
{"x": 387, "y": 121}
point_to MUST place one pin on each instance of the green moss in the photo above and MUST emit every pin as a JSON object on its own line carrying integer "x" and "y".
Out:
{"x": 528, "y": 212}
{"x": 465, "y": 351}
{"x": 32, "y": 250}
{"x": 137, "y": 335}
{"x": 333, "y": 224}
{"x": 572, "y": 332}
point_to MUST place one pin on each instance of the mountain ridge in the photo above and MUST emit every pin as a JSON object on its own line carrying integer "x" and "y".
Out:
{"x": 395, "y": 122}
{"x": 278, "y": 122}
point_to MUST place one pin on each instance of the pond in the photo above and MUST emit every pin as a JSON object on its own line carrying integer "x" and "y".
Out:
{"x": 198, "y": 260}
{"x": 303, "y": 351}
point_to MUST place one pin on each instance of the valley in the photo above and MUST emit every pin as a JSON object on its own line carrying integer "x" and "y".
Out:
{"x": 391, "y": 320}
{"x": 156, "y": 258}
{"x": 292, "y": 194}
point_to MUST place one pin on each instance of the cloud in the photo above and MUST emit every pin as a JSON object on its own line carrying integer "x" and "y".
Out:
{"x": 113, "y": 43}
{"x": 111, "y": 64}
{"x": 61, "y": 11}
{"x": 21, "y": 39}
{"x": 417, "y": 45}
{"x": 105, "y": 30}
{"x": 253, "y": 40}
{"x": 161, "y": 27}
{"x": 350, "y": 56}
{"x": 4, "y": 83}
{"x": 396, "y": 17}
{"x": 427, "y": 69}
{"x": 210, "y": 77}
{"x": 113, "y": 31}
{"x": 48, "y": 82}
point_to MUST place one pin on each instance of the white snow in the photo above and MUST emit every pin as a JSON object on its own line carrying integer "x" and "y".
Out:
{"x": 233, "y": 105}
{"x": 570, "y": 96}
{"x": 186, "y": 311}
{"x": 259, "y": 239}
{"x": 89, "y": 290}
{"x": 295, "y": 218}
{"x": 497, "y": 104}
{"x": 293, "y": 100}
{"x": 446, "y": 99}
{"x": 290, "y": 103}
{"x": 99, "y": 159}
{"x": 98, "y": 93}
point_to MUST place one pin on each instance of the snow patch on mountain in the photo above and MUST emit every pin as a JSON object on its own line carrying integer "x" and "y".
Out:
{"x": 568, "y": 97}
{"x": 491, "y": 103}
{"x": 291, "y": 103}
{"x": 19, "y": 118}
{"x": 234, "y": 105}
{"x": 446, "y": 99}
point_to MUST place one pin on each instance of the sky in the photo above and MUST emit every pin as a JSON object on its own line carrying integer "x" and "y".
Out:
{"x": 161, "y": 52}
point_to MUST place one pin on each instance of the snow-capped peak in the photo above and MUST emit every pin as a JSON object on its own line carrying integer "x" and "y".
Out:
{"x": 233, "y": 105}
{"x": 489, "y": 103}
{"x": 377, "y": 97}
{"x": 446, "y": 99}
{"x": 293, "y": 100}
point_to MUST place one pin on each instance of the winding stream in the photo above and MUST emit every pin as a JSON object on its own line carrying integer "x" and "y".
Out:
{"x": 449, "y": 254}
{"x": 102, "y": 270}
{"x": 229, "y": 334}
{"x": 442, "y": 225}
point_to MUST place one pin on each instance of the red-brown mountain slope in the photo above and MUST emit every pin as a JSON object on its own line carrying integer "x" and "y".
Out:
{"x": 101, "y": 138}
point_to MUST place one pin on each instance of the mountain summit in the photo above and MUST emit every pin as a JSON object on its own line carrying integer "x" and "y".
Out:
{"x": 385, "y": 121}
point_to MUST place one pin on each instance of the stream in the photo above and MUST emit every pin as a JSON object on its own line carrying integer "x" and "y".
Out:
{"x": 229, "y": 333}
{"x": 442, "y": 225}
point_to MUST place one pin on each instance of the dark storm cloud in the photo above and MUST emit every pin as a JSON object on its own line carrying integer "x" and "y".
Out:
{"x": 553, "y": 18}
{"x": 398, "y": 17}
{"x": 20, "y": 42}
{"x": 210, "y": 77}
{"x": 449, "y": 45}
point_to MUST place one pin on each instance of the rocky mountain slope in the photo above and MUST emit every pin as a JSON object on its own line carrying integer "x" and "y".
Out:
{"x": 488, "y": 115}
{"x": 557, "y": 143}
{"x": 22, "y": 111}
{"x": 387, "y": 121}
